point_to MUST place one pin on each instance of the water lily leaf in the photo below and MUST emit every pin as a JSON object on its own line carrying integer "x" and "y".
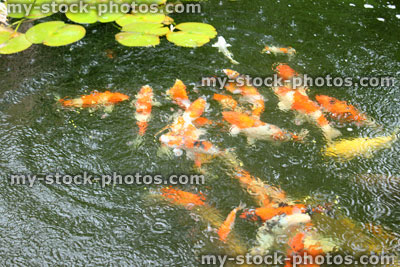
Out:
{"x": 198, "y": 28}
{"x": 16, "y": 43}
{"x": 83, "y": 18}
{"x": 137, "y": 39}
{"x": 55, "y": 33}
{"x": 38, "y": 33}
{"x": 146, "y": 28}
{"x": 187, "y": 39}
{"x": 158, "y": 2}
{"x": 93, "y": 17}
{"x": 5, "y": 34}
{"x": 66, "y": 35}
{"x": 34, "y": 13}
{"x": 140, "y": 17}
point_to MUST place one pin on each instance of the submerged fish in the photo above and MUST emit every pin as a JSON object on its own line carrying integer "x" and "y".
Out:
{"x": 279, "y": 50}
{"x": 255, "y": 129}
{"x": 143, "y": 104}
{"x": 341, "y": 110}
{"x": 350, "y": 148}
{"x": 228, "y": 224}
{"x": 179, "y": 95}
{"x": 298, "y": 101}
{"x": 222, "y": 46}
{"x": 95, "y": 99}
{"x": 285, "y": 72}
{"x": 227, "y": 102}
{"x": 184, "y": 198}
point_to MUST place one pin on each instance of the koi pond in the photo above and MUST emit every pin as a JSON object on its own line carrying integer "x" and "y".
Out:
{"x": 301, "y": 189}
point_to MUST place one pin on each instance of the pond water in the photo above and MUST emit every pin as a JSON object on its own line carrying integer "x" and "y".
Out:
{"x": 123, "y": 225}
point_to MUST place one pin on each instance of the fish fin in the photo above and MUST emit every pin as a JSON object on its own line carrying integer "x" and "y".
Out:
{"x": 109, "y": 109}
{"x": 156, "y": 104}
{"x": 251, "y": 141}
{"x": 330, "y": 132}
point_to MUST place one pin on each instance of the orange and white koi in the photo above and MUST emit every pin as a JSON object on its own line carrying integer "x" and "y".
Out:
{"x": 227, "y": 102}
{"x": 297, "y": 100}
{"x": 279, "y": 50}
{"x": 268, "y": 212}
{"x": 195, "y": 110}
{"x": 95, "y": 99}
{"x": 341, "y": 110}
{"x": 184, "y": 198}
{"x": 232, "y": 74}
{"x": 143, "y": 104}
{"x": 255, "y": 129}
{"x": 228, "y": 224}
{"x": 285, "y": 72}
{"x": 179, "y": 95}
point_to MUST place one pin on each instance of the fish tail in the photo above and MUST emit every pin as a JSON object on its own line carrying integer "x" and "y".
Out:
{"x": 142, "y": 127}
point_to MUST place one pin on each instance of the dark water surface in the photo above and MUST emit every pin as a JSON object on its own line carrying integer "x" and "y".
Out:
{"x": 88, "y": 225}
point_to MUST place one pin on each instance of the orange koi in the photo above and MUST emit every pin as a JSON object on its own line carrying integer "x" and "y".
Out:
{"x": 232, "y": 74}
{"x": 340, "y": 109}
{"x": 143, "y": 104}
{"x": 228, "y": 224}
{"x": 251, "y": 95}
{"x": 201, "y": 122}
{"x": 255, "y": 129}
{"x": 270, "y": 211}
{"x": 179, "y": 95}
{"x": 95, "y": 99}
{"x": 184, "y": 198}
{"x": 285, "y": 72}
{"x": 279, "y": 50}
{"x": 227, "y": 102}
{"x": 195, "y": 110}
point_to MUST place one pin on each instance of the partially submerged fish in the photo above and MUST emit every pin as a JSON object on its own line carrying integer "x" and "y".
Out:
{"x": 341, "y": 110}
{"x": 365, "y": 147}
{"x": 227, "y": 102}
{"x": 184, "y": 198}
{"x": 179, "y": 95}
{"x": 228, "y": 224}
{"x": 298, "y": 101}
{"x": 222, "y": 46}
{"x": 255, "y": 129}
{"x": 143, "y": 104}
{"x": 95, "y": 99}
{"x": 279, "y": 50}
{"x": 285, "y": 72}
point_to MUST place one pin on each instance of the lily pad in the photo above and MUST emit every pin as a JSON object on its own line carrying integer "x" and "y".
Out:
{"x": 187, "y": 39}
{"x": 146, "y": 28}
{"x": 134, "y": 39}
{"x": 16, "y": 43}
{"x": 55, "y": 33}
{"x": 140, "y": 17}
{"x": 197, "y": 28}
{"x": 93, "y": 17}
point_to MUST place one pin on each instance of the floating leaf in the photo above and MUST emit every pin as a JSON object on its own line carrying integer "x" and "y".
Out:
{"x": 38, "y": 33}
{"x": 92, "y": 17}
{"x": 137, "y": 39}
{"x": 67, "y": 35}
{"x": 197, "y": 28}
{"x": 16, "y": 43}
{"x": 140, "y": 17}
{"x": 187, "y": 39}
{"x": 21, "y": 7}
{"x": 146, "y": 28}
{"x": 55, "y": 33}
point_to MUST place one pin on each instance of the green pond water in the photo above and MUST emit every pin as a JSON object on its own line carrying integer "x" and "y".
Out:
{"x": 55, "y": 225}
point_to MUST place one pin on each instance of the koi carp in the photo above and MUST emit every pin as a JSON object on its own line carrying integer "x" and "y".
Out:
{"x": 228, "y": 224}
{"x": 222, "y": 46}
{"x": 95, "y": 99}
{"x": 143, "y": 104}
{"x": 279, "y": 50}
{"x": 255, "y": 129}
{"x": 179, "y": 95}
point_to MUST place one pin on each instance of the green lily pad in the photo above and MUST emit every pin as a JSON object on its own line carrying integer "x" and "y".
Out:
{"x": 67, "y": 35}
{"x": 38, "y": 33}
{"x": 187, "y": 39}
{"x": 149, "y": 18}
{"x": 146, "y": 28}
{"x": 133, "y": 39}
{"x": 55, "y": 33}
{"x": 16, "y": 43}
{"x": 198, "y": 28}
{"x": 92, "y": 17}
